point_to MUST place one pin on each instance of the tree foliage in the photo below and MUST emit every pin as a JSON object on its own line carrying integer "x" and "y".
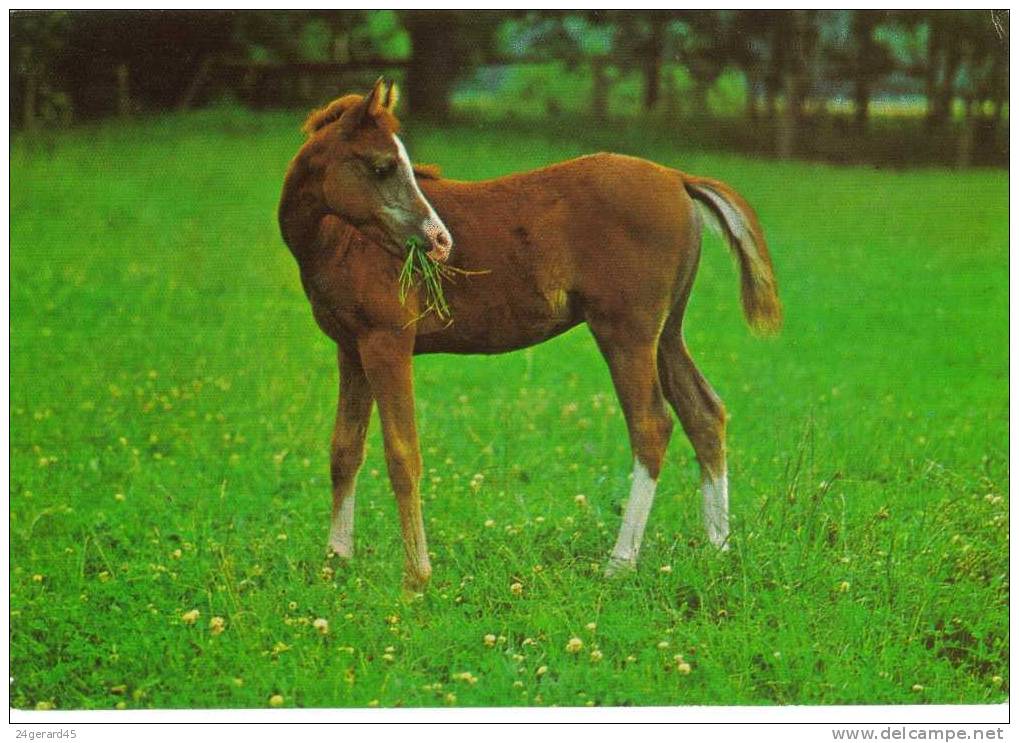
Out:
{"x": 793, "y": 63}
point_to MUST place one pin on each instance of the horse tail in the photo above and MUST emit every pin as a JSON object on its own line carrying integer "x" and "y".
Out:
{"x": 731, "y": 215}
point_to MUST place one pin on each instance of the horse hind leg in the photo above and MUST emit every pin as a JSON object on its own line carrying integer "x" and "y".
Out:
{"x": 632, "y": 365}
{"x": 702, "y": 416}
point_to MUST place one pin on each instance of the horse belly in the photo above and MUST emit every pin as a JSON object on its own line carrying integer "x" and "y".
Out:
{"x": 506, "y": 327}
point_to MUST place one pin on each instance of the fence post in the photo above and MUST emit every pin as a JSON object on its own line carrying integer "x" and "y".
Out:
{"x": 31, "y": 93}
{"x": 123, "y": 91}
{"x": 600, "y": 93}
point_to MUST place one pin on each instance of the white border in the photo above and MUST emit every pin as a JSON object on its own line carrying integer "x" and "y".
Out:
{"x": 766, "y": 723}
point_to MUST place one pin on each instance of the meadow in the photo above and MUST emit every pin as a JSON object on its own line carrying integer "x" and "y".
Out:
{"x": 171, "y": 402}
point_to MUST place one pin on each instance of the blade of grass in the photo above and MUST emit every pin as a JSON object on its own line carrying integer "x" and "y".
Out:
{"x": 418, "y": 264}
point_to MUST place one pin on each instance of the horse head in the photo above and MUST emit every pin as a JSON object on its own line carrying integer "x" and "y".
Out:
{"x": 365, "y": 175}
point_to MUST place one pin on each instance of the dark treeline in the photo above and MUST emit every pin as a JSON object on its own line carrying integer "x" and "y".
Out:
{"x": 800, "y": 72}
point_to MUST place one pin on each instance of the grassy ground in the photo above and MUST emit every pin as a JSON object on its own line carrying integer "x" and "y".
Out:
{"x": 172, "y": 399}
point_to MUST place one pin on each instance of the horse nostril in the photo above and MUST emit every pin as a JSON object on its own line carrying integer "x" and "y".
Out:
{"x": 439, "y": 239}
{"x": 442, "y": 245}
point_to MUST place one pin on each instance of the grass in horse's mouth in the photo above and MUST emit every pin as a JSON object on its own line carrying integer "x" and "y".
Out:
{"x": 418, "y": 267}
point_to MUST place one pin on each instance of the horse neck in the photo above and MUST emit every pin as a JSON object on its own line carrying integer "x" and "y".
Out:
{"x": 300, "y": 212}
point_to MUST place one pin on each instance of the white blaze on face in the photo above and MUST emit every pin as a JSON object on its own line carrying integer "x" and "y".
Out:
{"x": 438, "y": 236}
{"x": 642, "y": 496}
{"x": 715, "y": 491}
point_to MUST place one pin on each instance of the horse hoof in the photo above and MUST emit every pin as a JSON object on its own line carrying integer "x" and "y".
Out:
{"x": 342, "y": 551}
{"x": 409, "y": 595}
{"x": 414, "y": 583}
{"x": 619, "y": 566}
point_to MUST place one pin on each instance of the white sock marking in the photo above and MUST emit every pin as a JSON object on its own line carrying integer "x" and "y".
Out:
{"x": 715, "y": 492}
{"x": 642, "y": 495}
{"x": 423, "y": 564}
{"x": 341, "y": 533}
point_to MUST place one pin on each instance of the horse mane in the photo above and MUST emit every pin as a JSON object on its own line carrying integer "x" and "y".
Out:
{"x": 331, "y": 112}
{"x": 427, "y": 172}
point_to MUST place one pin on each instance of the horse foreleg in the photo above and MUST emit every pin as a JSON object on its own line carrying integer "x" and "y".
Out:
{"x": 386, "y": 358}
{"x": 353, "y": 411}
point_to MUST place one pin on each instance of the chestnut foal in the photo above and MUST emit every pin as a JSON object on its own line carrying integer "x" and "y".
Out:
{"x": 609, "y": 240}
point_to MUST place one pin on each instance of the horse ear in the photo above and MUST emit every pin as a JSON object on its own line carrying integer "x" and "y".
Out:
{"x": 375, "y": 101}
{"x": 392, "y": 97}
{"x": 369, "y": 106}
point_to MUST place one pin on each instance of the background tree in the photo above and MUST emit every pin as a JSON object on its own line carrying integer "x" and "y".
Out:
{"x": 37, "y": 41}
{"x": 161, "y": 52}
{"x": 944, "y": 56}
{"x": 797, "y": 67}
{"x": 702, "y": 49}
{"x": 981, "y": 39}
{"x": 794, "y": 43}
{"x": 868, "y": 60}
{"x": 748, "y": 41}
{"x": 445, "y": 45}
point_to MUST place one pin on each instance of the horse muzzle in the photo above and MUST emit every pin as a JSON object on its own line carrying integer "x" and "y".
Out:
{"x": 440, "y": 242}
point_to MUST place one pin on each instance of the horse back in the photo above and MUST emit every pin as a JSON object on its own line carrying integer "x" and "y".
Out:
{"x": 598, "y": 230}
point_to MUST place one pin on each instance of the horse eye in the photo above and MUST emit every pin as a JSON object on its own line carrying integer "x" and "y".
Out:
{"x": 381, "y": 171}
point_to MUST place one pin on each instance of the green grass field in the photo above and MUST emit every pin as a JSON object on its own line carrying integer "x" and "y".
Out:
{"x": 172, "y": 401}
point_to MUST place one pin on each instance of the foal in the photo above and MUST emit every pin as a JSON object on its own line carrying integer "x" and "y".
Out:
{"x": 609, "y": 240}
